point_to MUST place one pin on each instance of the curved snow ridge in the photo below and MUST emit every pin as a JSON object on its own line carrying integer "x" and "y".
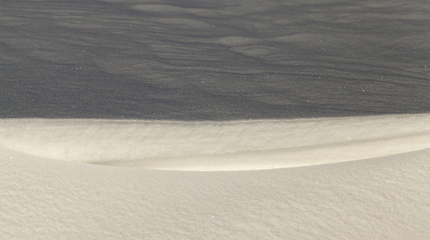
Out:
{"x": 286, "y": 158}
{"x": 217, "y": 146}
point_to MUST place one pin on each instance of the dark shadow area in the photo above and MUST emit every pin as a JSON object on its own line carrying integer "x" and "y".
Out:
{"x": 213, "y": 60}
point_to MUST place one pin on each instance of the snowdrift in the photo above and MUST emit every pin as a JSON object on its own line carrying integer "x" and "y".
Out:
{"x": 217, "y": 146}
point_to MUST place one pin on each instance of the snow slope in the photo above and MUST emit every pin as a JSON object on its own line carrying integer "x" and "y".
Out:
{"x": 213, "y": 146}
{"x": 376, "y": 198}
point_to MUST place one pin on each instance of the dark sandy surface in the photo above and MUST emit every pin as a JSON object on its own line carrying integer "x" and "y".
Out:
{"x": 213, "y": 60}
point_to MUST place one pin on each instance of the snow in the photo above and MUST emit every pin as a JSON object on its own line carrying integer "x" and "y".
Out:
{"x": 215, "y": 146}
{"x": 48, "y": 194}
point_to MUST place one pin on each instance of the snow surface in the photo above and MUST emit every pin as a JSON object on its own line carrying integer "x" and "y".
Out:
{"x": 214, "y": 146}
{"x": 376, "y": 198}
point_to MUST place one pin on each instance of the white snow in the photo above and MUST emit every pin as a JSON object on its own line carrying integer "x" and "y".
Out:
{"x": 214, "y": 146}
{"x": 49, "y": 193}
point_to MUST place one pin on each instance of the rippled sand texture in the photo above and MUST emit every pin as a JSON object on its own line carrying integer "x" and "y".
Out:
{"x": 214, "y": 60}
{"x": 241, "y": 119}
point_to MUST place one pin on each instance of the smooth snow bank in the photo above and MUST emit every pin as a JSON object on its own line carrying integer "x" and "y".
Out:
{"x": 217, "y": 146}
{"x": 381, "y": 198}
